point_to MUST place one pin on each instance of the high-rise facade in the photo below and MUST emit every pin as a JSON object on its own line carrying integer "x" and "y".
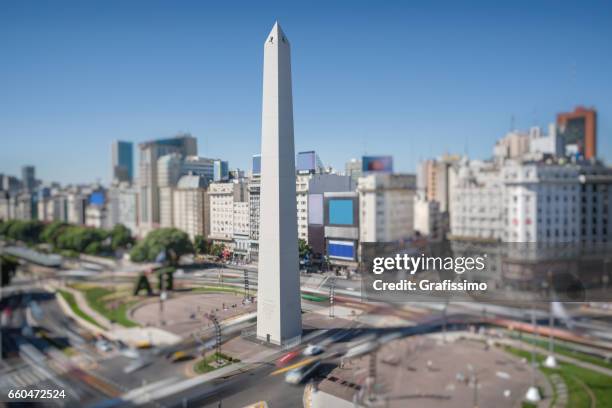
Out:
{"x": 579, "y": 129}
{"x": 28, "y": 178}
{"x": 278, "y": 293}
{"x": 123, "y": 161}
{"x": 150, "y": 152}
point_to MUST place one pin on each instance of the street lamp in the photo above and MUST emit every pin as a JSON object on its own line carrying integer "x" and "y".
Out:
{"x": 533, "y": 394}
{"x": 332, "y": 293}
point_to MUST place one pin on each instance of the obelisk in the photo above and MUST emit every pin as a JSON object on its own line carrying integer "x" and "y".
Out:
{"x": 278, "y": 285}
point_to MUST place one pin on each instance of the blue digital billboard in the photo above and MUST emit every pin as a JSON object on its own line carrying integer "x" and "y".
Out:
{"x": 96, "y": 198}
{"x": 341, "y": 250}
{"x": 340, "y": 211}
{"x": 377, "y": 164}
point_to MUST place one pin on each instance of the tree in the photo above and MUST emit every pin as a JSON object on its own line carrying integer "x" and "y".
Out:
{"x": 121, "y": 237}
{"x": 173, "y": 242}
{"x": 303, "y": 248}
{"x": 201, "y": 245}
{"x": 52, "y": 231}
{"x": 21, "y": 230}
{"x": 217, "y": 250}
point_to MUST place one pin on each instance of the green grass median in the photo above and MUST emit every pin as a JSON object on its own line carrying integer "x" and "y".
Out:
{"x": 213, "y": 362}
{"x": 585, "y": 388}
{"x": 565, "y": 350}
{"x": 98, "y": 299}
{"x": 69, "y": 298}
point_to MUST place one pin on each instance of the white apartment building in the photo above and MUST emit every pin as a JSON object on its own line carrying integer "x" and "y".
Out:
{"x": 189, "y": 205}
{"x": 254, "y": 188}
{"x": 123, "y": 206}
{"x": 96, "y": 216}
{"x": 477, "y": 203}
{"x": 241, "y": 224}
{"x": 222, "y": 196}
{"x": 386, "y": 207}
{"x": 76, "y": 205}
{"x": 552, "y": 202}
{"x": 427, "y": 218}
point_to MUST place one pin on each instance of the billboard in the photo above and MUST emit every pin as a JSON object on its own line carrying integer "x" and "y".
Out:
{"x": 315, "y": 209}
{"x": 340, "y": 211}
{"x": 306, "y": 162}
{"x": 377, "y": 164}
{"x": 97, "y": 198}
{"x": 341, "y": 250}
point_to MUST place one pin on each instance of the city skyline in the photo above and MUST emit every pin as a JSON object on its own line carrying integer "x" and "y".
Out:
{"x": 84, "y": 93}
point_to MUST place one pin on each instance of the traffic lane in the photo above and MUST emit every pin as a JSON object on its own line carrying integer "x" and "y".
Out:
{"x": 240, "y": 390}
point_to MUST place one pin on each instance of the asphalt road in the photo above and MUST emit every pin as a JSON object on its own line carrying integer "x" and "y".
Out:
{"x": 241, "y": 390}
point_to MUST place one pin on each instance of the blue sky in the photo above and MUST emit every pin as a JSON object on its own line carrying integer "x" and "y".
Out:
{"x": 413, "y": 79}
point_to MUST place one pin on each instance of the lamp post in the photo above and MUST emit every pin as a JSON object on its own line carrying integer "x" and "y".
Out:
{"x": 533, "y": 394}
{"x": 550, "y": 361}
{"x": 332, "y": 293}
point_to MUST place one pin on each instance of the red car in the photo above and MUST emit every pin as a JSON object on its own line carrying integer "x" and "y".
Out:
{"x": 284, "y": 360}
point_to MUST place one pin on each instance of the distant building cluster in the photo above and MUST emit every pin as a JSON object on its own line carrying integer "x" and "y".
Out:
{"x": 536, "y": 187}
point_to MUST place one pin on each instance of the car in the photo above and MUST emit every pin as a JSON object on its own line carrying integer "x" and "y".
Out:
{"x": 313, "y": 350}
{"x": 287, "y": 358}
{"x": 301, "y": 374}
{"x": 362, "y": 349}
{"x": 179, "y": 356}
{"x": 103, "y": 345}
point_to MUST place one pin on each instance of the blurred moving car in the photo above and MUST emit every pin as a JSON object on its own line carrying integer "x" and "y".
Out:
{"x": 179, "y": 356}
{"x": 103, "y": 346}
{"x": 361, "y": 349}
{"x": 290, "y": 356}
{"x": 313, "y": 350}
{"x": 301, "y": 374}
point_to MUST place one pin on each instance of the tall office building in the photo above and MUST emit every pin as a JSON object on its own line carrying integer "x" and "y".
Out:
{"x": 579, "y": 130}
{"x": 220, "y": 170}
{"x": 150, "y": 152}
{"x": 123, "y": 161}
{"x": 199, "y": 166}
{"x": 256, "y": 166}
{"x": 278, "y": 294}
{"x": 189, "y": 205}
{"x": 28, "y": 178}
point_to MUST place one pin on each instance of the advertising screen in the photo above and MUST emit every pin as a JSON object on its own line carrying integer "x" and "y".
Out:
{"x": 377, "y": 163}
{"x": 341, "y": 211}
{"x": 96, "y": 198}
{"x": 306, "y": 161}
{"x": 315, "y": 209}
{"x": 341, "y": 250}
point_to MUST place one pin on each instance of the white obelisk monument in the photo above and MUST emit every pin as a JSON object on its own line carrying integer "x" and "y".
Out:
{"x": 278, "y": 285}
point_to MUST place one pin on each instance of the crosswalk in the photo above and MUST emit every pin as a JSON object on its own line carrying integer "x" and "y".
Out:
{"x": 24, "y": 376}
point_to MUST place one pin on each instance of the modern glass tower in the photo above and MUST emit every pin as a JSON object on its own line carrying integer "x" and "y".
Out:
{"x": 278, "y": 294}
